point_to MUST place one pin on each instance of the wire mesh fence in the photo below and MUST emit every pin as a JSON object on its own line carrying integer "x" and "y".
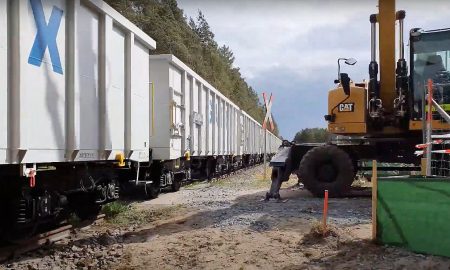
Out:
{"x": 440, "y": 137}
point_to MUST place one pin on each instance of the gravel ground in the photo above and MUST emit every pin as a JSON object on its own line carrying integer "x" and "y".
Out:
{"x": 224, "y": 224}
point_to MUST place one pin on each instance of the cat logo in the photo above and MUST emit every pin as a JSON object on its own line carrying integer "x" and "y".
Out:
{"x": 346, "y": 107}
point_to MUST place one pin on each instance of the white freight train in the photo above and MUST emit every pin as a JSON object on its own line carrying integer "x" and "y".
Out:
{"x": 199, "y": 130}
{"x": 79, "y": 113}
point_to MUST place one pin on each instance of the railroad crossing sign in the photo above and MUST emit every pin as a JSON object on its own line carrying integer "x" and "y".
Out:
{"x": 268, "y": 118}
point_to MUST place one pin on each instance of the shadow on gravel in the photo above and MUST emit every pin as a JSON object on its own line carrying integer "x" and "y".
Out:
{"x": 247, "y": 212}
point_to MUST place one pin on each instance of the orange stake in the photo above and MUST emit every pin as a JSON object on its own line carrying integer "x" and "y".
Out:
{"x": 325, "y": 211}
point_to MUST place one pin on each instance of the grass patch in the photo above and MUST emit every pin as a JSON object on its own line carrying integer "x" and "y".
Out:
{"x": 132, "y": 216}
{"x": 223, "y": 183}
{"x": 115, "y": 208}
{"x": 74, "y": 220}
{"x": 199, "y": 184}
{"x": 261, "y": 183}
{"x": 260, "y": 176}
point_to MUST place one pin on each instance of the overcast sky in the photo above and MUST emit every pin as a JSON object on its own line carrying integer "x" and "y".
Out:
{"x": 290, "y": 47}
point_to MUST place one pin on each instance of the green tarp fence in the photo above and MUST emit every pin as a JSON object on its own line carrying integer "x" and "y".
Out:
{"x": 414, "y": 213}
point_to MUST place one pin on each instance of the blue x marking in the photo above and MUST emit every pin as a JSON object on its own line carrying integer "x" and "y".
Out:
{"x": 46, "y": 36}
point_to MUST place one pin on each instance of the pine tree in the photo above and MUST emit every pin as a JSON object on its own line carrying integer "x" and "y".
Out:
{"x": 227, "y": 54}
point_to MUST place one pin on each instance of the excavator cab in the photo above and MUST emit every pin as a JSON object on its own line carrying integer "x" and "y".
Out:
{"x": 430, "y": 59}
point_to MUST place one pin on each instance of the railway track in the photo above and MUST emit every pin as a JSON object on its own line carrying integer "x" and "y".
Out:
{"x": 11, "y": 251}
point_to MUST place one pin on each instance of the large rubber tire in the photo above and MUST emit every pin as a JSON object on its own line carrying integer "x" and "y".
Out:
{"x": 327, "y": 168}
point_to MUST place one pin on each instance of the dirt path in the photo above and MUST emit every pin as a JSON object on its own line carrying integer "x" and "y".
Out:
{"x": 225, "y": 225}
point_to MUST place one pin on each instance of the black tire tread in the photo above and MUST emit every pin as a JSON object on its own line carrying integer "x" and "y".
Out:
{"x": 341, "y": 160}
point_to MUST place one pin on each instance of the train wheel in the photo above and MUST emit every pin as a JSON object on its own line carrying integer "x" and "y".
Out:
{"x": 210, "y": 169}
{"x": 327, "y": 168}
{"x": 87, "y": 210}
{"x": 152, "y": 190}
{"x": 176, "y": 184}
{"x": 84, "y": 205}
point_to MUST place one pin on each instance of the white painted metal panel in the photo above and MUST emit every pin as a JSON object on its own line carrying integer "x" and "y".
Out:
{"x": 235, "y": 131}
{"x": 240, "y": 129}
{"x": 232, "y": 131}
{"x": 187, "y": 103}
{"x": 62, "y": 96}
{"x": 245, "y": 120}
{"x": 197, "y": 116}
{"x": 216, "y": 124}
{"x": 272, "y": 143}
{"x": 250, "y": 135}
{"x": 3, "y": 82}
{"x": 115, "y": 91}
{"x": 219, "y": 126}
{"x": 42, "y": 80}
{"x": 205, "y": 130}
{"x": 194, "y": 116}
{"x": 261, "y": 140}
{"x": 211, "y": 118}
{"x": 224, "y": 128}
{"x": 141, "y": 119}
{"x": 236, "y": 127}
{"x": 247, "y": 135}
{"x": 175, "y": 85}
{"x": 227, "y": 129}
{"x": 160, "y": 138}
{"x": 86, "y": 84}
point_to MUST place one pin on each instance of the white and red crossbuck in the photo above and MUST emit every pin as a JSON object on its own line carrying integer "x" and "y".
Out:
{"x": 268, "y": 117}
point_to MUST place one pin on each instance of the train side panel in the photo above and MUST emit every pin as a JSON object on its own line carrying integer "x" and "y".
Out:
{"x": 86, "y": 85}
{"x": 38, "y": 95}
{"x": 199, "y": 116}
{"x": 3, "y": 82}
{"x": 70, "y": 73}
{"x": 142, "y": 96}
{"x": 161, "y": 136}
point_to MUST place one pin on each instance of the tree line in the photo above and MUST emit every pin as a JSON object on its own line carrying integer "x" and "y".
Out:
{"x": 312, "y": 135}
{"x": 193, "y": 42}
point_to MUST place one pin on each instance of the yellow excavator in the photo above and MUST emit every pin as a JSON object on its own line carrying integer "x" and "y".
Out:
{"x": 380, "y": 119}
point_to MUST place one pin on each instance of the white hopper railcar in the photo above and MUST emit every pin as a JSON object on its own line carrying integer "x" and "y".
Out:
{"x": 74, "y": 87}
{"x": 198, "y": 130}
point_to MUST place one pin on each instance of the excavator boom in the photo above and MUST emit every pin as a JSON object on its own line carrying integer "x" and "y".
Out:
{"x": 386, "y": 21}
